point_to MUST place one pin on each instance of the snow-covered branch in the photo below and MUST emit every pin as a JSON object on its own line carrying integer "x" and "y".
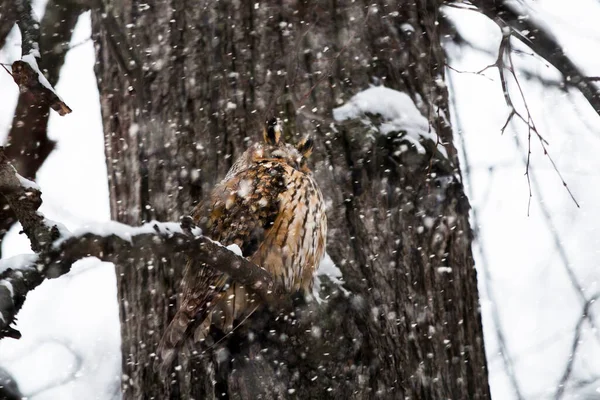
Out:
{"x": 28, "y": 144}
{"x": 24, "y": 199}
{"x": 26, "y": 72}
{"x": 57, "y": 249}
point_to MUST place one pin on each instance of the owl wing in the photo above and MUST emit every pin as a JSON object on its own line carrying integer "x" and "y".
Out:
{"x": 241, "y": 210}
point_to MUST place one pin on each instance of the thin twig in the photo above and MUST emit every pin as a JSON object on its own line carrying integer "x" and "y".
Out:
{"x": 562, "y": 252}
{"x": 562, "y": 383}
{"x": 6, "y": 69}
{"x": 532, "y": 127}
{"x": 468, "y": 72}
{"x": 505, "y": 50}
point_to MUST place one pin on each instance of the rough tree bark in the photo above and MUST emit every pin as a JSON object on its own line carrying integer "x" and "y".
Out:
{"x": 8, "y": 15}
{"x": 185, "y": 87}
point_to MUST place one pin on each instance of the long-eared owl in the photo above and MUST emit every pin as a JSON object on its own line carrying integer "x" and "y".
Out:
{"x": 271, "y": 207}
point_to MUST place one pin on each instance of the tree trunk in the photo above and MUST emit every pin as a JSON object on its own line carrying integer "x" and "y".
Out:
{"x": 203, "y": 78}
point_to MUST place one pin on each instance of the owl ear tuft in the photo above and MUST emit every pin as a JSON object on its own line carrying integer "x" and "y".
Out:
{"x": 305, "y": 146}
{"x": 272, "y": 131}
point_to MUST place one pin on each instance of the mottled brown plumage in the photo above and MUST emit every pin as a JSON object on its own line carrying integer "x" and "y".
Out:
{"x": 271, "y": 207}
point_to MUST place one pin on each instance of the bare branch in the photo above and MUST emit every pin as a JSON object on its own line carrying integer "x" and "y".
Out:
{"x": 468, "y": 72}
{"x": 562, "y": 384}
{"x": 58, "y": 250}
{"x": 541, "y": 42}
{"x": 505, "y": 51}
{"x": 26, "y": 72}
{"x": 560, "y": 248}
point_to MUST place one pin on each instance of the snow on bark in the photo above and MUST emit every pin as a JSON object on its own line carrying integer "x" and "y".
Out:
{"x": 17, "y": 262}
{"x": 330, "y": 270}
{"x": 31, "y": 60}
{"x": 234, "y": 248}
{"x": 26, "y": 183}
{"x": 123, "y": 231}
{"x": 398, "y": 111}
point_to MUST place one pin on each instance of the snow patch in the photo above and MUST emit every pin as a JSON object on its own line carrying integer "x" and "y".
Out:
{"x": 26, "y": 183}
{"x": 406, "y": 27}
{"x": 329, "y": 269}
{"x": 196, "y": 231}
{"x": 398, "y": 111}
{"x": 63, "y": 230}
{"x": 134, "y": 129}
{"x": 234, "y": 248}
{"x": 21, "y": 261}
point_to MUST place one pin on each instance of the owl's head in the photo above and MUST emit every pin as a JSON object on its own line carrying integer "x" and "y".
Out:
{"x": 276, "y": 149}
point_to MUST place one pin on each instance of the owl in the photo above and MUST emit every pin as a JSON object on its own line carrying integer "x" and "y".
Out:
{"x": 270, "y": 206}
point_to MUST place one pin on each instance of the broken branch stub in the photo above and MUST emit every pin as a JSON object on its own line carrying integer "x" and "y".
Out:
{"x": 29, "y": 82}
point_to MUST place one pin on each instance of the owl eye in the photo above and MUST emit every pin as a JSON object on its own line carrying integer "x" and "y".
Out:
{"x": 278, "y": 154}
{"x": 305, "y": 146}
{"x": 272, "y": 131}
